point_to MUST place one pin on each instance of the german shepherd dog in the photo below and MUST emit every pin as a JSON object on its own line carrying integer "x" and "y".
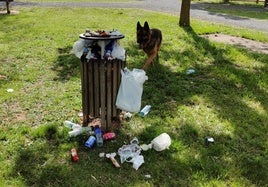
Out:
{"x": 149, "y": 40}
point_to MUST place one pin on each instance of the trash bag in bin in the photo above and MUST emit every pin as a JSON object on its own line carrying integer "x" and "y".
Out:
{"x": 130, "y": 90}
{"x": 80, "y": 47}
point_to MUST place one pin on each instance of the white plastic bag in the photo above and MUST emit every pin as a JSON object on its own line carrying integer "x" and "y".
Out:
{"x": 137, "y": 161}
{"x": 130, "y": 90}
{"x": 118, "y": 52}
{"x": 81, "y": 46}
{"x": 78, "y": 48}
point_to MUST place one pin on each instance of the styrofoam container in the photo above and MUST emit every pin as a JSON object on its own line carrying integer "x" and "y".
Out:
{"x": 161, "y": 142}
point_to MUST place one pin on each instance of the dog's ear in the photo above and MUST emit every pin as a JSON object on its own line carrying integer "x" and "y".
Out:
{"x": 138, "y": 25}
{"x": 146, "y": 26}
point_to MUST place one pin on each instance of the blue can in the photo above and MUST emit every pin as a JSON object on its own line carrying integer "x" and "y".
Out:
{"x": 90, "y": 142}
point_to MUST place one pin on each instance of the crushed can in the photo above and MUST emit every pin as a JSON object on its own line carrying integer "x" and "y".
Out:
{"x": 209, "y": 140}
{"x": 90, "y": 142}
{"x": 74, "y": 155}
{"x": 109, "y": 136}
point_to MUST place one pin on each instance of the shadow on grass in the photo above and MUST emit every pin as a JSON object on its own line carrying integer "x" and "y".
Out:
{"x": 246, "y": 146}
{"x": 241, "y": 153}
{"x": 67, "y": 65}
{"x": 233, "y": 108}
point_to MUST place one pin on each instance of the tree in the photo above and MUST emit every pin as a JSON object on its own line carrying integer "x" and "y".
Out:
{"x": 185, "y": 13}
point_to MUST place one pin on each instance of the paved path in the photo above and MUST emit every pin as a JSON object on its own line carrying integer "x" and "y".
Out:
{"x": 168, "y": 6}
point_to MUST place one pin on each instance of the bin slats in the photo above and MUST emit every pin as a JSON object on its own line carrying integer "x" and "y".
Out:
{"x": 103, "y": 93}
{"x": 96, "y": 87}
{"x": 100, "y": 84}
{"x": 109, "y": 93}
{"x": 115, "y": 86}
{"x": 85, "y": 91}
{"x": 90, "y": 85}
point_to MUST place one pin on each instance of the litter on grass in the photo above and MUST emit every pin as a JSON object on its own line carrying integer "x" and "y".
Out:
{"x": 111, "y": 157}
{"x": 159, "y": 143}
{"x": 131, "y": 153}
{"x": 128, "y": 153}
{"x": 190, "y": 71}
{"x": 209, "y": 140}
{"x": 10, "y": 90}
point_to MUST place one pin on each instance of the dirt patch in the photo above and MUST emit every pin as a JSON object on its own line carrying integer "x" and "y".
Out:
{"x": 4, "y": 12}
{"x": 240, "y": 42}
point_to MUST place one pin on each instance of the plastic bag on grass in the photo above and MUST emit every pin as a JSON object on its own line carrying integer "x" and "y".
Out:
{"x": 130, "y": 90}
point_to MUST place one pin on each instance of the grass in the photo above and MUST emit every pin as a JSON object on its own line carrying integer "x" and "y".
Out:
{"x": 236, "y": 8}
{"x": 226, "y": 98}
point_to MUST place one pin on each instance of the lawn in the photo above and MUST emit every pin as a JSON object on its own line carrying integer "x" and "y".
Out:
{"x": 243, "y": 9}
{"x": 226, "y": 98}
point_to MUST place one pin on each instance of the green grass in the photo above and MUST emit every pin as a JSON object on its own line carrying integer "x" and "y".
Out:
{"x": 226, "y": 99}
{"x": 236, "y": 8}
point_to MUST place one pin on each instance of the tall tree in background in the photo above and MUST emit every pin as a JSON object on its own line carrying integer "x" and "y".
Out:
{"x": 185, "y": 13}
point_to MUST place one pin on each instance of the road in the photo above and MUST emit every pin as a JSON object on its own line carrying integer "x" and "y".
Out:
{"x": 168, "y": 6}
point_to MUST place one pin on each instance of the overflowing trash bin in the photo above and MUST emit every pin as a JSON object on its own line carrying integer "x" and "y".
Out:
{"x": 102, "y": 59}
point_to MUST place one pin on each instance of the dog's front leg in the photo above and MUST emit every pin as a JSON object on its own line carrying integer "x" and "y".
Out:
{"x": 148, "y": 61}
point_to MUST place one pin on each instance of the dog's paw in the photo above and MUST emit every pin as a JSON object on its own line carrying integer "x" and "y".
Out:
{"x": 145, "y": 67}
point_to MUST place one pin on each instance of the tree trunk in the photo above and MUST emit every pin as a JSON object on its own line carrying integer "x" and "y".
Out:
{"x": 7, "y": 4}
{"x": 266, "y": 3}
{"x": 185, "y": 13}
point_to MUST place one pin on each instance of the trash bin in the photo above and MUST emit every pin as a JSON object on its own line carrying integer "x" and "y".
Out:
{"x": 100, "y": 80}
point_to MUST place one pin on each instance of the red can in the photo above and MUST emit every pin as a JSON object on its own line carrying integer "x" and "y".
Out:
{"x": 109, "y": 136}
{"x": 74, "y": 155}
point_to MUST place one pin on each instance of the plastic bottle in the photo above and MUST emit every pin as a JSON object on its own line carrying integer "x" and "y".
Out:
{"x": 145, "y": 110}
{"x": 71, "y": 125}
{"x": 78, "y": 131}
{"x": 98, "y": 135}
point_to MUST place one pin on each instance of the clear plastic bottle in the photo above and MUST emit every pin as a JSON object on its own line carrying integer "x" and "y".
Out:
{"x": 78, "y": 131}
{"x": 71, "y": 125}
{"x": 98, "y": 134}
{"x": 145, "y": 110}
